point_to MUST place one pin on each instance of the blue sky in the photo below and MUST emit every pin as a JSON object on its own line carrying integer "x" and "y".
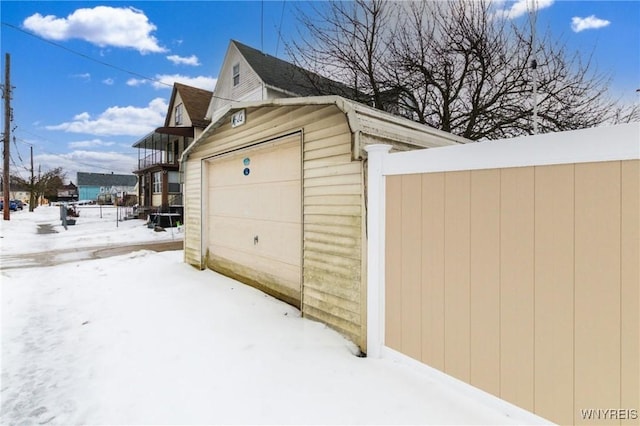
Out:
{"x": 80, "y": 102}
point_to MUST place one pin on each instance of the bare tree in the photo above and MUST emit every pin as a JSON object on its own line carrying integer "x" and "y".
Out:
{"x": 348, "y": 45}
{"x": 45, "y": 184}
{"x": 456, "y": 66}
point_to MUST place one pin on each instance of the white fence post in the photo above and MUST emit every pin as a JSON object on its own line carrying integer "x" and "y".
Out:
{"x": 375, "y": 248}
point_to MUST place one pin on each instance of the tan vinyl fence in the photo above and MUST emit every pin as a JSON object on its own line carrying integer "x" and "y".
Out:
{"x": 513, "y": 266}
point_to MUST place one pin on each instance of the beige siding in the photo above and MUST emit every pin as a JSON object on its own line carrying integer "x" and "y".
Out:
{"x": 332, "y": 205}
{"x": 630, "y": 290}
{"x": 186, "y": 120}
{"x": 485, "y": 309}
{"x": 597, "y": 285}
{"x": 432, "y": 273}
{"x": 333, "y": 218}
{"x": 393, "y": 271}
{"x": 156, "y": 199}
{"x": 554, "y": 272}
{"x": 516, "y": 286}
{"x": 193, "y": 213}
{"x": 529, "y": 282}
{"x": 457, "y": 349}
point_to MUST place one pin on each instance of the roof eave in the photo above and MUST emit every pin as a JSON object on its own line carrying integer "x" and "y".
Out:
{"x": 350, "y": 108}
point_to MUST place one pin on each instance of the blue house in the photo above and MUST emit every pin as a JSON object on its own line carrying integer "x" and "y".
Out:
{"x": 105, "y": 187}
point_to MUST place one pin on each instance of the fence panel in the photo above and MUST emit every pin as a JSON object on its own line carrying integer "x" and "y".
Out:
{"x": 521, "y": 281}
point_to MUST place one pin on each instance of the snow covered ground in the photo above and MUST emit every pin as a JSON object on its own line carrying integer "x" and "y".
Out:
{"x": 145, "y": 339}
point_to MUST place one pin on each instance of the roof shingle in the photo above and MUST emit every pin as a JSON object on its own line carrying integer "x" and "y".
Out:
{"x": 106, "y": 179}
{"x": 291, "y": 78}
{"x": 195, "y": 101}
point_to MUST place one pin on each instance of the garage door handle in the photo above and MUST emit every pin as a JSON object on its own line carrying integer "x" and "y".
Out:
{"x": 255, "y": 240}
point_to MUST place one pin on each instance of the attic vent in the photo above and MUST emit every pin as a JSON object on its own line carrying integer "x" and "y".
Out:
{"x": 236, "y": 75}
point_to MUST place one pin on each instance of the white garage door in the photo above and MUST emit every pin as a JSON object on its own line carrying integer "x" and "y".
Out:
{"x": 254, "y": 216}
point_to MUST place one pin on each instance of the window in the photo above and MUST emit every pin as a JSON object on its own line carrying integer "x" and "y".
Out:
{"x": 157, "y": 182}
{"x": 178, "y": 114}
{"x": 236, "y": 75}
{"x": 172, "y": 152}
{"x": 174, "y": 182}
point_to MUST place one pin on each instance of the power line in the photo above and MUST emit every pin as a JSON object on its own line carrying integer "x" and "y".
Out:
{"x": 63, "y": 156}
{"x": 106, "y": 64}
{"x": 280, "y": 28}
{"x": 17, "y": 150}
{"x": 18, "y": 166}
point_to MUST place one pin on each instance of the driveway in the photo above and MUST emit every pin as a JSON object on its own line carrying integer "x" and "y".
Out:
{"x": 58, "y": 257}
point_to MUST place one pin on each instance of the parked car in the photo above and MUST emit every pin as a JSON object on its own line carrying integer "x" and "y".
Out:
{"x": 12, "y": 205}
{"x": 19, "y": 204}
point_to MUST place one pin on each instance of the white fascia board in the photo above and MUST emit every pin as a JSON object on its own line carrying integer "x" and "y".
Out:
{"x": 621, "y": 142}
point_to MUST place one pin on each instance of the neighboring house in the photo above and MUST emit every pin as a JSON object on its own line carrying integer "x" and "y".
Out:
{"x": 250, "y": 75}
{"x": 17, "y": 191}
{"x": 68, "y": 193}
{"x": 158, "y": 172}
{"x": 105, "y": 188}
{"x": 21, "y": 194}
{"x": 276, "y": 197}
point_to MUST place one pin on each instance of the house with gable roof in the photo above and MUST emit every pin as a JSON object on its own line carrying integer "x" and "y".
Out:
{"x": 104, "y": 187}
{"x": 158, "y": 171}
{"x": 247, "y": 74}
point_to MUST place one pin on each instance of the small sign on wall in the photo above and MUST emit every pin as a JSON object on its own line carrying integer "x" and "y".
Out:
{"x": 246, "y": 162}
{"x": 238, "y": 118}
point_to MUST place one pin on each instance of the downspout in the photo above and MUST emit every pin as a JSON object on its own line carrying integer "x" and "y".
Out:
{"x": 354, "y": 125}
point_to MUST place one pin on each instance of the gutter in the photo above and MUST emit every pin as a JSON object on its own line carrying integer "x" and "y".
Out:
{"x": 350, "y": 108}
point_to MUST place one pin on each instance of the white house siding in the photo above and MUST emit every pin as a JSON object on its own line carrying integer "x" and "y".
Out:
{"x": 250, "y": 87}
{"x": 333, "y": 206}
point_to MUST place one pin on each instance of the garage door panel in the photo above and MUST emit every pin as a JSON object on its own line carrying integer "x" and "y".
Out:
{"x": 253, "y": 193}
{"x": 273, "y": 163}
{"x": 288, "y": 274}
{"x": 269, "y": 201}
{"x": 273, "y": 238}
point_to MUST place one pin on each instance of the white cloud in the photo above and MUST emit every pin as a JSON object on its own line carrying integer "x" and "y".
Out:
{"x": 134, "y": 82}
{"x": 165, "y": 81}
{"x": 589, "y": 23}
{"x": 89, "y": 161}
{"x": 108, "y": 81}
{"x": 89, "y": 143}
{"x": 129, "y": 120}
{"x": 124, "y": 27}
{"x": 181, "y": 60}
{"x": 521, "y": 7}
{"x": 86, "y": 76}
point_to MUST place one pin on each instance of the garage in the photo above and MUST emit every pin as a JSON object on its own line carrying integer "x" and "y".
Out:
{"x": 276, "y": 197}
{"x": 254, "y": 218}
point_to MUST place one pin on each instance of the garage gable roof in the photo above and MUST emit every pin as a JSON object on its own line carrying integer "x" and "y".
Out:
{"x": 362, "y": 119}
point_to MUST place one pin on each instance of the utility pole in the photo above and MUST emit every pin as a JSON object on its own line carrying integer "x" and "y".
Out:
{"x": 32, "y": 198}
{"x": 7, "y": 135}
{"x": 533, "y": 20}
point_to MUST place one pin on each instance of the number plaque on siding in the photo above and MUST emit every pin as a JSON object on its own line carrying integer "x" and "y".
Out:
{"x": 237, "y": 119}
